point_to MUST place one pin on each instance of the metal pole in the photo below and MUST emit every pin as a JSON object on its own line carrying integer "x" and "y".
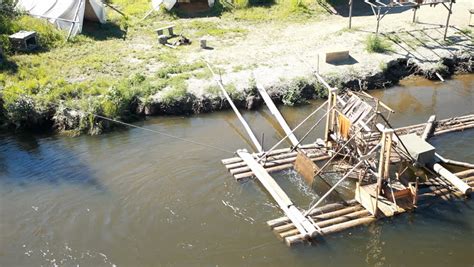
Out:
{"x": 447, "y": 21}
{"x": 351, "y": 2}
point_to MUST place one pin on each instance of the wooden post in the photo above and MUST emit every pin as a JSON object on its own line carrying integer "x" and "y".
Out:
{"x": 329, "y": 119}
{"x": 389, "y": 133}
{"x": 414, "y": 13}
{"x": 351, "y": 3}
{"x": 384, "y": 162}
{"x": 378, "y": 22}
{"x": 447, "y": 20}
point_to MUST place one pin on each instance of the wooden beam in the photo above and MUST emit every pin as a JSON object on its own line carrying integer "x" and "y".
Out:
{"x": 236, "y": 110}
{"x": 429, "y": 127}
{"x": 453, "y": 179}
{"x": 275, "y": 112}
{"x": 304, "y": 226}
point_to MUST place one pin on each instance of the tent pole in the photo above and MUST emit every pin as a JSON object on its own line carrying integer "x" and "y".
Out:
{"x": 75, "y": 19}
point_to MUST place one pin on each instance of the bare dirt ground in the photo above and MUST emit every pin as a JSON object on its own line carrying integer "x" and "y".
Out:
{"x": 273, "y": 52}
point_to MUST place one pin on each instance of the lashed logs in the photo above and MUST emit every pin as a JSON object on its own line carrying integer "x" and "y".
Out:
{"x": 339, "y": 217}
{"x": 277, "y": 160}
{"x": 442, "y": 126}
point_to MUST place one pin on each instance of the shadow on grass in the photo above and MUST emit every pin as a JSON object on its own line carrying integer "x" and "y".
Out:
{"x": 102, "y": 32}
{"x": 7, "y": 65}
{"x": 360, "y": 8}
{"x": 200, "y": 8}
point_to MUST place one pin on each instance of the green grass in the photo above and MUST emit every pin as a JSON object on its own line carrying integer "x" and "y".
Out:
{"x": 375, "y": 44}
{"x": 201, "y": 28}
{"x": 103, "y": 73}
{"x": 281, "y": 10}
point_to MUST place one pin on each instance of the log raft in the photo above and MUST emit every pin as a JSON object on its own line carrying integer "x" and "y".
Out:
{"x": 337, "y": 217}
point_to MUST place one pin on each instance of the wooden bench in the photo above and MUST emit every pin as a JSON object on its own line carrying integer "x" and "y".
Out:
{"x": 160, "y": 31}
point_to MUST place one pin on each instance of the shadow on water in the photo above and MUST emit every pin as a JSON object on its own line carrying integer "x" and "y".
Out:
{"x": 25, "y": 160}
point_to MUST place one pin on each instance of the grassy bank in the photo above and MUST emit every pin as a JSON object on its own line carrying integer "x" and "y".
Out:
{"x": 110, "y": 68}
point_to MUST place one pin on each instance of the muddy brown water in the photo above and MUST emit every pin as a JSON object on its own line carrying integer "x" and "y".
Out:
{"x": 133, "y": 198}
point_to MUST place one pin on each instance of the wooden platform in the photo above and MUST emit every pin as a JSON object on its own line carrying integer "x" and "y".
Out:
{"x": 337, "y": 217}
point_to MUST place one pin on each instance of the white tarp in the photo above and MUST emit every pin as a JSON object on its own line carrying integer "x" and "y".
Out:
{"x": 66, "y": 14}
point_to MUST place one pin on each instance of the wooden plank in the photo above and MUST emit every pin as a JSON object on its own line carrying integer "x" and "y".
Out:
{"x": 367, "y": 197}
{"x": 305, "y": 167}
{"x": 301, "y": 223}
{"x": 275, "y": 112}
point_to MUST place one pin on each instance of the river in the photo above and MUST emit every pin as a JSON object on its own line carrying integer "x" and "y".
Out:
{"x": 135, "y": 198}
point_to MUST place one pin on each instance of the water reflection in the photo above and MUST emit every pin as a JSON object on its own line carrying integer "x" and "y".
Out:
{"x": 25, "y": 160}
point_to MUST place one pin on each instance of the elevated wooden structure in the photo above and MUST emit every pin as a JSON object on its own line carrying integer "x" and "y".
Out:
{"x": 381, "y": 8}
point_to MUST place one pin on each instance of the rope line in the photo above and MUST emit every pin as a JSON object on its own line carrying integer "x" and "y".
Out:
{"x": 148, "y": 129}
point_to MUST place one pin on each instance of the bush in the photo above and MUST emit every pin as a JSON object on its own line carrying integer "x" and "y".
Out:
{"x": 375, "y": 44}
{"x": 294, "y": 95}
{"x": 49, "y": 36}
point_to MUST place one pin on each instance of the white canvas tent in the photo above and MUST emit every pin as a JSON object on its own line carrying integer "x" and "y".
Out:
{"x": 66, "y": 14}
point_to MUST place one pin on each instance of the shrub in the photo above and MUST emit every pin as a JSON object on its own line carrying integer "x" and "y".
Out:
{"x": 48, "y": 35}
{"x": 294, "y": 95}
{"x": 173, "y": 95}
{"x": 375, "y": 44}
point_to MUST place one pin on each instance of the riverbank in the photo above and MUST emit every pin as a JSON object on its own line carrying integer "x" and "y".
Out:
{"x": 122, "y": 198}
{"x": 136, "y": 77}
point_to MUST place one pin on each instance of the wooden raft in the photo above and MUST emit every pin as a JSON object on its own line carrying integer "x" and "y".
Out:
{"x": 337, "y": 217}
